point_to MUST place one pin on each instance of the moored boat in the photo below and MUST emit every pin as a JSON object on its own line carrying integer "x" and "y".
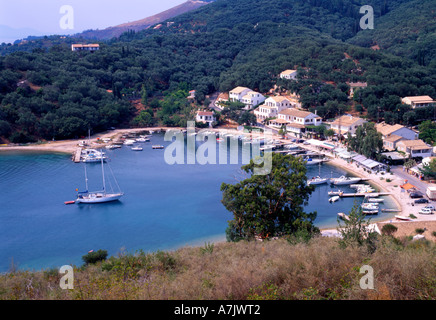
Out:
{"x": 344, "y": 180}
{"x": 317, "y": 180}
{"x": 334, "y": 199}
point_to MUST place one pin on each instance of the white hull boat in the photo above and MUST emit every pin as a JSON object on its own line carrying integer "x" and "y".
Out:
{"x": 317, "y": 180}
{"x": 375, "y": 200}
{"x": 343, "y": 180}
{"x": 99, "y": 197}
{"x": 334, "y": 199}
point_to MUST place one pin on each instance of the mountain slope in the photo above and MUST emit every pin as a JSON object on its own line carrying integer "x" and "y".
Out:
{"x": 142, "y": 24}
{"x": 408, "y": 31}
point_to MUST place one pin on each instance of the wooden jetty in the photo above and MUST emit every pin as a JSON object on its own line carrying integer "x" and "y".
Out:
{"x": 77, "y": 155}
{"x": 390, "y": 210}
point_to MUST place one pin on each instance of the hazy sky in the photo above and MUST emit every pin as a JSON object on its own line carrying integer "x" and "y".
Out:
{"x": 44, "y": 15}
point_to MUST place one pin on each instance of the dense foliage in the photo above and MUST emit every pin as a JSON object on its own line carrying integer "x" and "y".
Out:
{"x": 47, "y": 91}
{"x": 270, "y": 205}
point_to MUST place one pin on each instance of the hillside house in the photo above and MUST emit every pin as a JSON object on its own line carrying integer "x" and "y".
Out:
{"x": 418, "y": 101}
{"x": 354, "y": 86}
{"x": 85, "y": 47}
{"x": 415, "y": 148}
{"x": 205, "y": 117}
{"x": 346, "y": 124}
{"x": 272, "y": 107}
{"x": 289, "y": 74}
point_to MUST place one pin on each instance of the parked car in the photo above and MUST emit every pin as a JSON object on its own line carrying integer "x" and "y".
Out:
{"x": 422, "y": 200}
{"x": 416, "y": 195}
{"x": 431, "y": 207}
{"x": 425, "y": 211}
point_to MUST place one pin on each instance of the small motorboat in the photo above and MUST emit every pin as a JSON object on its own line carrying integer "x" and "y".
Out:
{"x": 157, "y": 147}
{"x": 136, "y": 148}
{"x": 334, "y": 199}
{"x": 70, "y": 202}
{"x": 376, "y": 200}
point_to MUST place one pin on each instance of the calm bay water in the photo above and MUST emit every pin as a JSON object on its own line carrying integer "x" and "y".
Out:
{"x": 164, "y": 207}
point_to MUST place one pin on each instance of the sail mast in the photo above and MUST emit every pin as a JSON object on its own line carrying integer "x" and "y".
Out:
{"x": 102, "y": 172}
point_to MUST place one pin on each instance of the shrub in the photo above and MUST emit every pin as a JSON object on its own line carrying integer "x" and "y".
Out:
{"x": 389, "y": 229}
{"x": 388, "y": 180}
{"x": 94, "y": 257}
{"x": 208, "y": 248}
{"x": 419, "y": 230}
{"x": 433, "y": 233}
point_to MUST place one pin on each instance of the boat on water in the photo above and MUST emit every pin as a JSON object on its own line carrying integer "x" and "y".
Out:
{"x": 317, "y": 180}
{"x": 136, "y": 148}
{"x": 129, "y": 142}
{"x": 334, "y": 199}
{"x": 370, "y": 211}
{"x": 344, "y": 180}
{"x": 103, "y": 196}
{"x": 157, "y": 147}
{"x": 376, "y": 200}
{"x": 311, "y": 161}
{"x": 142, "y": 140}
{"x": 369, "y": 206}
{"x": 94, "y": 158}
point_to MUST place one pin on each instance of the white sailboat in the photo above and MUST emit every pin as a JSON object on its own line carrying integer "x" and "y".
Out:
{"x": 317, "y": 180}
{"x": 98, "y": 196}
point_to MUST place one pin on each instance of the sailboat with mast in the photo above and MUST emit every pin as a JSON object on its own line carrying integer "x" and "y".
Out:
{"x": 98, "y": 196}
{"x": 317, "y": 180}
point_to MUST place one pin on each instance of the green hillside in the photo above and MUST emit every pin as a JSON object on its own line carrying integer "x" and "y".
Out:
{"x": 47, "y": 91}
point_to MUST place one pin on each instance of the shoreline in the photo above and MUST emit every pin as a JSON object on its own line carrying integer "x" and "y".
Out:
{"x": 398, "y": 198}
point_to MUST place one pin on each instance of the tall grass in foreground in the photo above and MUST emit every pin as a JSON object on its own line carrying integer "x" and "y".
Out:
{"x": 278, "y": 269}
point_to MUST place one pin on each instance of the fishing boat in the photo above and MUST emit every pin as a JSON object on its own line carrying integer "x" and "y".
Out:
{"x": 334, "y": 199}
{"x": 344, "y": 180}
{"x": 103, "y": 196}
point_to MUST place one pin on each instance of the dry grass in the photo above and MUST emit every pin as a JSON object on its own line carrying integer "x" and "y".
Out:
{"x": 319, "y": 269}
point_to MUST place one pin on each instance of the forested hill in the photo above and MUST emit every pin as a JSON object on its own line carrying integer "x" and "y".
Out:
{"x": 50, "y": 92}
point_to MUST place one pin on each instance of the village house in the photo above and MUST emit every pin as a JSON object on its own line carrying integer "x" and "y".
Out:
{"x": 237, "y": 93}
{"x": 222, "y": 98}
{"x": 295, "y": 121}
{"x": 354, "y": 86}
{"x": 390, "y": 143}
{"x": 346, "y": 124}
{"x": 289, "y": 74}
{"x": 397, "y": 129}
{"x": 246, "y": 96}
{"x": 418, "y": 101}
{"x": 85, "y": 47}
{"x": 252, "y": 98}
{"x": 205, "y": 117}
{"x": 306, "y": 118}
{"x": 271, "y": 107}
{"x": 415, "y": 148}
{"x": 191, "y": 94}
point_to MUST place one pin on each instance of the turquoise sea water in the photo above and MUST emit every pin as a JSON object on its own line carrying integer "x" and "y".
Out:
{"x": 164, "y": 207}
